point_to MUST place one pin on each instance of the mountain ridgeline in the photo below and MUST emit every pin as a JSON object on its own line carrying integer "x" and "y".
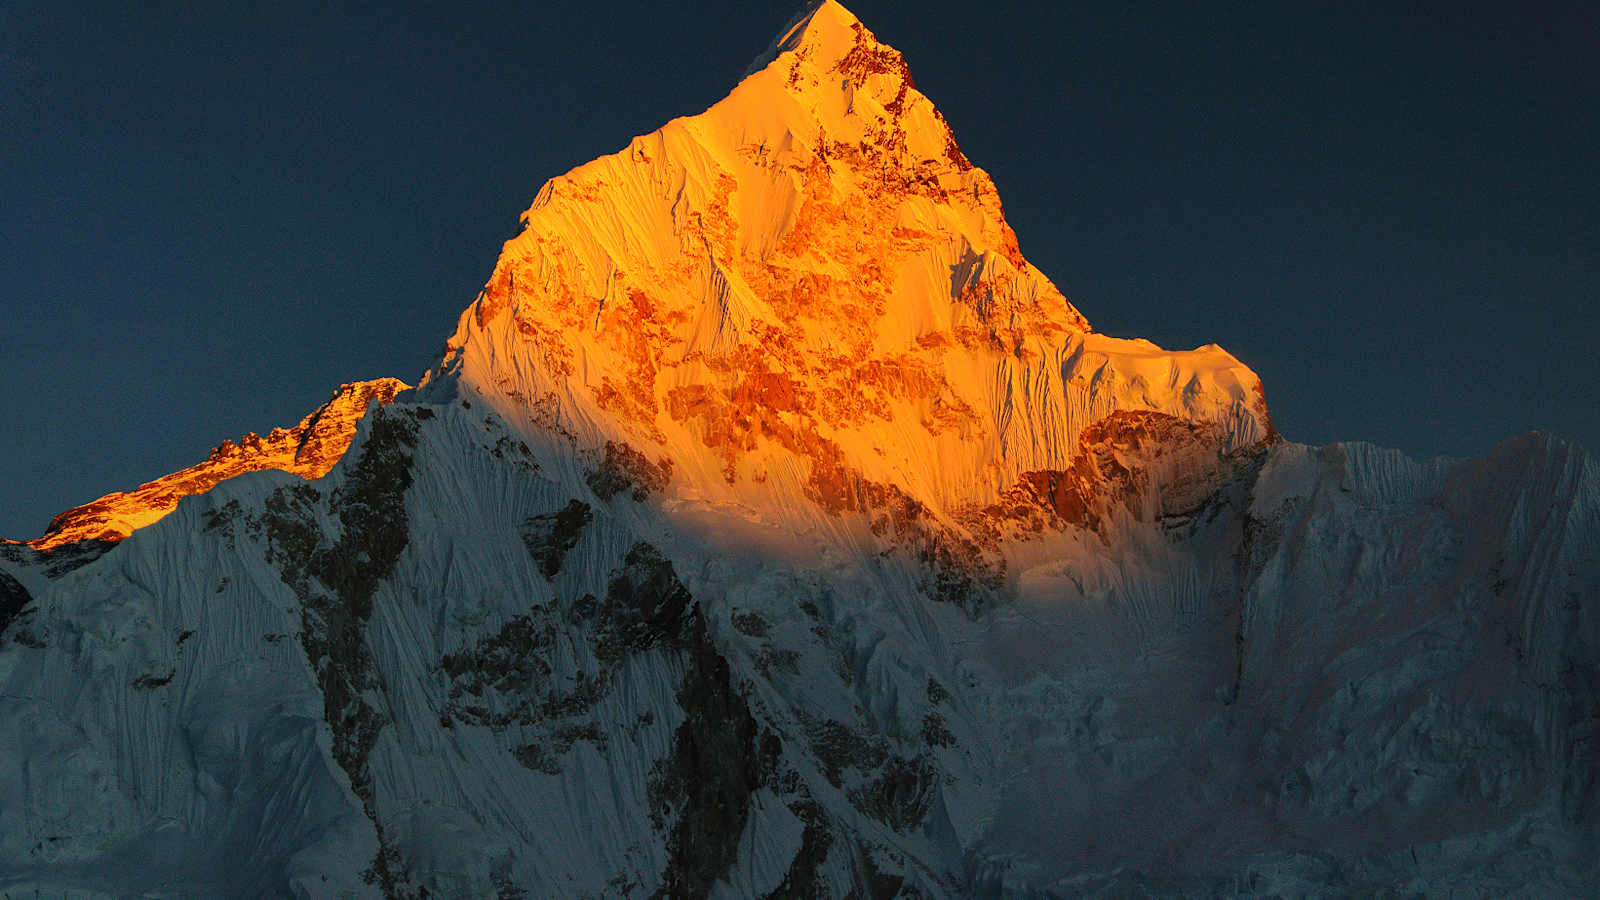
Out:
{"x": 770, "y": 527}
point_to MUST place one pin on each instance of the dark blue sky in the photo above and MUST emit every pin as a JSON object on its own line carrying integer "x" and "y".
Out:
{"x": 209, "y": 219}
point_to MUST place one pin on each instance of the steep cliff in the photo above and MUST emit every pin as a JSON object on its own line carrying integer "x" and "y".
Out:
{"x": 771, "y": 528}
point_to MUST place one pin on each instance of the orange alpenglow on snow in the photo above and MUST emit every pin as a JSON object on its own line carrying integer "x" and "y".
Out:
{"x": 807, "y": 299}
{"x": 309, "y": 450}
{"x": 803, "y": 302}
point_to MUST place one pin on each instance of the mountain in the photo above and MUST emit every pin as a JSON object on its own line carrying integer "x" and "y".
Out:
{"x": 309, "y": 449}
{"x": 770, "y": 527}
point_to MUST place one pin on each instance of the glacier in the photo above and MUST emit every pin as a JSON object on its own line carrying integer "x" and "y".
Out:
{"x": 771, "y": 528}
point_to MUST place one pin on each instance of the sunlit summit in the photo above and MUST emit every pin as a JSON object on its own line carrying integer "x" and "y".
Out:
{"x": 770, "y": 527}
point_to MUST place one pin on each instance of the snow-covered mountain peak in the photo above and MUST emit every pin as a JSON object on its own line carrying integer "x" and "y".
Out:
{"x": 771, "y": 528}
{"x": 823, "y": 28}
{"x": 805, "y": 289}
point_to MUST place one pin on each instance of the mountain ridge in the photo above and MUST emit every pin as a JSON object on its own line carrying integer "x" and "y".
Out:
{"x": 810, "y": 281}
{"x": 308, "y": 449}
{"x": 733, "y": 549}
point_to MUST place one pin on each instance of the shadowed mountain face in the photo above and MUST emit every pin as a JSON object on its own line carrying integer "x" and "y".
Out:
{"x": 771, "y": 528}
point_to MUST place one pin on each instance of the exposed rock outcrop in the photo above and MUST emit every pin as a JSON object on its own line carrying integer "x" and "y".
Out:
{"x": 308, "y": 449}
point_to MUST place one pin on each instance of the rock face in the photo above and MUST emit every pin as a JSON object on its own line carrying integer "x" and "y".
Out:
{"x": 807, "y": 288}
{"x": 770, "y": 528}
{"x": 309, "y": 450}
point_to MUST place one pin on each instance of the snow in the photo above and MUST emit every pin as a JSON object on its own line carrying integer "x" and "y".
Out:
{"x": 1386, "y": 694}
{"x": 706, "y": 221}
{"x": 308, "y": 449}
{"x": 1257, "y": 668}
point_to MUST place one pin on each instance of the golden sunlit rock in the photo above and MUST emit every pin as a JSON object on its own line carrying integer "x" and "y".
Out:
{"x": 308, "y": 449}
{"x": 807, "y": 296}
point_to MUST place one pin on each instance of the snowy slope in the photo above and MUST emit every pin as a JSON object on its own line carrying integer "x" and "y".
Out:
{"x": 772, "y": 529}
{"x": 806, "y": 286}
{"x": 308, "y": 449}
{"x": 1347, "y": 671}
